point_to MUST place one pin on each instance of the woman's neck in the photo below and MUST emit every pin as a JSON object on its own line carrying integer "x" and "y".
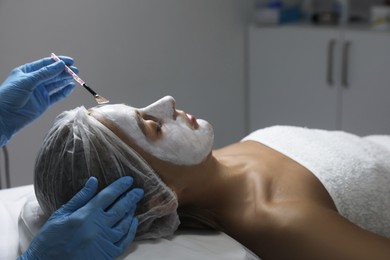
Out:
{"x": 214, "y": 184}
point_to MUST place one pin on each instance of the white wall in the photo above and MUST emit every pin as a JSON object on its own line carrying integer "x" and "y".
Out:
{"x": 132, "y": 51}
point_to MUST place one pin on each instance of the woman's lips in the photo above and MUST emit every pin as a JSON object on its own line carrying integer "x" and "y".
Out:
{"x": 192, "y": 120}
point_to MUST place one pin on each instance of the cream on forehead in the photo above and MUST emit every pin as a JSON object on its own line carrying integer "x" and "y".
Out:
{"x": 123, "y": 116}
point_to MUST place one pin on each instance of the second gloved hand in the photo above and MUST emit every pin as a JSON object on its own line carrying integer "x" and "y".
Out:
{"x": 30, "y": 90}
{"x": 85, "y": 228}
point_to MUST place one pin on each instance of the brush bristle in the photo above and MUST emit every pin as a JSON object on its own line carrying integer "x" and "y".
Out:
{"x": 101, "y": 100}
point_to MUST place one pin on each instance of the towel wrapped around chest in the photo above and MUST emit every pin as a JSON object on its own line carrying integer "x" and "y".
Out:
{"x": 354, "y": 170}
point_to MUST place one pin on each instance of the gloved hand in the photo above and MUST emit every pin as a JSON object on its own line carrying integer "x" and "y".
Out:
{"x": 98, "y": 229}
{"x": 29, "y": 90}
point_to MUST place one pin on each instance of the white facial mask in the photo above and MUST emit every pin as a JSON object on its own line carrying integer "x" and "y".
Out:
{"x": 180, "y": 142}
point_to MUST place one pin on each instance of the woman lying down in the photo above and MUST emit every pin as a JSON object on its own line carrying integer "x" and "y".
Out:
{"x": 283, "y": 192}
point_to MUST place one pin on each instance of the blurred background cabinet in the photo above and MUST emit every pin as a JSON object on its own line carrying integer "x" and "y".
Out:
{"x": 366, "y": 98}
{"x": 320, "y": 77}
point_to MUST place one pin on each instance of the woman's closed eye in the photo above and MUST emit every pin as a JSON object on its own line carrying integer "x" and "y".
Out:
{"x": 156, "y": 126}
{"x": 153, "y": 123}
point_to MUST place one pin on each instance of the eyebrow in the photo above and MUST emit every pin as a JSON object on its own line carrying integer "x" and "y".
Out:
{"x": 140, "y": 122}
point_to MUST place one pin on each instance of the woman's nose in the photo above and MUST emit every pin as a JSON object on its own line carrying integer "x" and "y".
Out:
{"x": 164, "y": 107}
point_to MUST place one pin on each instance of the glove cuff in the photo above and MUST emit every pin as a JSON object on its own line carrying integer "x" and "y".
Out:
{"x": 7, "y": 128}
{"x": 3, "y": 136}
{"x": 27, "y": 256}
{"x": 3, "y": 140}
{"x": 30, "y": 254}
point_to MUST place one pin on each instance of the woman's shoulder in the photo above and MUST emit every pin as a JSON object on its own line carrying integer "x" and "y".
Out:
{"x": 311, "y": 231}
{"x": 271, "y": 227}
{"x": 353, "y": 169}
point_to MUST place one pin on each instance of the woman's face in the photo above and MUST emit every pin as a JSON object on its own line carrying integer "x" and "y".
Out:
{"x": 163, "y": 131}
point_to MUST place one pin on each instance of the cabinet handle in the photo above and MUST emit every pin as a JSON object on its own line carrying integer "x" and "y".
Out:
{"x": 345, "y": 64}
{"x": 329, "y": 67}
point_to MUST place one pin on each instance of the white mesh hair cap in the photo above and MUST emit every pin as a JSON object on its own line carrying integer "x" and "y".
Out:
{"x": 79, "y": 146}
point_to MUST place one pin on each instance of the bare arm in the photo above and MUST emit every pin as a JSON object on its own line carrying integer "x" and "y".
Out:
{"x": 315, "y": 232}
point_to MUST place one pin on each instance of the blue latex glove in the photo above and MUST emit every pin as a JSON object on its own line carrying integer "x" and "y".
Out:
{"x": 86, "y": 228}
{"x": 31, "y": 89}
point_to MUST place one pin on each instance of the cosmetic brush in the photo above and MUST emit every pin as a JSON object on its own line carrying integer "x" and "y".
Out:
{"x": 99, "y": 99}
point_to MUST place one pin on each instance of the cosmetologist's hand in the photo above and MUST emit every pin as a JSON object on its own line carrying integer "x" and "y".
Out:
{"x": 89, "y": 227}
{"x": 30, "y": 90}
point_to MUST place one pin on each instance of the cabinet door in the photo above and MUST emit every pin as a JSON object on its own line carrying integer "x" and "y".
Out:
{"x": 288, "y": 77}
{"x": 366, "y": 99}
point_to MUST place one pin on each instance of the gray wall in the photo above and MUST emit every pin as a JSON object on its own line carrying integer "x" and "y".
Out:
{"x": 132, "y": 51}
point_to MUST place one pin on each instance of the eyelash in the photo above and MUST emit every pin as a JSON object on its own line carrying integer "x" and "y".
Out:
{"x": 158, "y": 126}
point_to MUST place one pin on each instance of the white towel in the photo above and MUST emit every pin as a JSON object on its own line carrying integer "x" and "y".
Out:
{"x": 354, "y": 170}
